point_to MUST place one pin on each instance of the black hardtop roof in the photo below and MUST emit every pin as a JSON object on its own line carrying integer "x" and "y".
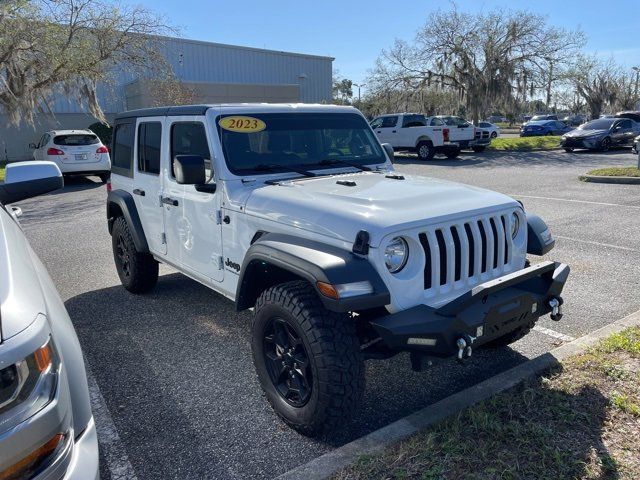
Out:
{"x": 164, "y": 111}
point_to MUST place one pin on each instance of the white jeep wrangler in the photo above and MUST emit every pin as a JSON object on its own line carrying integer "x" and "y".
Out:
{"x": 296, "y": 212}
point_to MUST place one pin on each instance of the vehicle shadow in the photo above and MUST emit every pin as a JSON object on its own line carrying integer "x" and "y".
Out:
{"x": 79, "y": 183}
{"x": 181, "y": 356}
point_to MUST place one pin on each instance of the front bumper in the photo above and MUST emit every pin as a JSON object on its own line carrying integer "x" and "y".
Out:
{"x": 580, "y": 142}
{"x": 489, "y": 311}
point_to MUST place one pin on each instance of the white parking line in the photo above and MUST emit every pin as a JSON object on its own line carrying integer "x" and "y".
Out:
{"x": 637, "y": 207}
{"x": 114, "y": 452}
{"x": 600, "y": 244}
{"x": 553, "y": 333}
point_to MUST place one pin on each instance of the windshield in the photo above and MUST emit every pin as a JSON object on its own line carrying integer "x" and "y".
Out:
{"x": 600, "y": 124}
{"x": 75, "y": 140}
{"x": 252, "y": 142}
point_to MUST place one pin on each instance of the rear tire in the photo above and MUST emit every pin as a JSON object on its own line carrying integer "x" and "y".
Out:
{"x": 138, "y": 271}
{"x": 307, "y": 358}
{"x": 478, "y": 149}
{"x": 104, "y": 177}
{"x": 451, "y": 154}
{"x": 568, "y": 149}
{"x": 425, "y": 150}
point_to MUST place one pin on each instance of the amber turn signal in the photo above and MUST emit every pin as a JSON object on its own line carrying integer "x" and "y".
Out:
{"x": 328, "y": 290}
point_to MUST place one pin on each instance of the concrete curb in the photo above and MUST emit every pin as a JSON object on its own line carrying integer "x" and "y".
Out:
{"x": 609, "y": 179}
{"x": 329, "y": 463}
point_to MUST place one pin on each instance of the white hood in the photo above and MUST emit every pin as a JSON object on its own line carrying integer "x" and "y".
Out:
{"x": 376, "y": 203}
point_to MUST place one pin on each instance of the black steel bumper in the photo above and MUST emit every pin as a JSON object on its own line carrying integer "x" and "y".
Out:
{"x": 487, "y": 312}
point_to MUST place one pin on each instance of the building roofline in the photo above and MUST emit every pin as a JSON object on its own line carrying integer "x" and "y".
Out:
{"x": 241, "y": 47}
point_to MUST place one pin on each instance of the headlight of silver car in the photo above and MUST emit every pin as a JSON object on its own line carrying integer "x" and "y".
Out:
{"x": 515, "y": 225}
{"x": 28, "y": 386}
{"x": 396, "y": 254}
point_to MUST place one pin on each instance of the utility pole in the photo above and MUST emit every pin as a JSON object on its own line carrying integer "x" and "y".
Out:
{"x": 635, "y": 90}
{"x": 359, "y": 98}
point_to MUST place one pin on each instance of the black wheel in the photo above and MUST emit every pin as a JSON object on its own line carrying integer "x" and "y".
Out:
{"x": 549, "y": 134}
{"x": 510, "y": 337}
{"x": 453, "y": 153}
{"x": 605, "y": 145}
{"x": 568, "y": 149}
{"x": 494, "y": 134}
{"x": 307, "y": 358}
{"x": 425, "y": 150}
{"x": 478, "y": 149}
{"x": 138, "y": 272}
{"x": 104, "y": 177}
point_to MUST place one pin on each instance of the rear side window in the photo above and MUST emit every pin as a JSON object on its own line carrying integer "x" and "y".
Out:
{"x": 413, "y": 121}
{"x": 122, "y": 156}
{"x": 77, "y": 140}
{"x": 436, "y": 122}
{"x": 149, "y": 137}
{"x": 190, "y": 138}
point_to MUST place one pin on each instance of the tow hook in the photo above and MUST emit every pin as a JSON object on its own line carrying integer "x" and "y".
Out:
{"x": 464, "y": 347}
{"x": 556, "y": 309}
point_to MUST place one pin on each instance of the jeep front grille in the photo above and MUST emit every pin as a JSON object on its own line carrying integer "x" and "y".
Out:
{"x": 467, "y": 252}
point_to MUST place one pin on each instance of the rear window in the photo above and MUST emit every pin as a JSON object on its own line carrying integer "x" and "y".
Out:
{"x": 122, "y": 154}
{"x": 77, "y": 140}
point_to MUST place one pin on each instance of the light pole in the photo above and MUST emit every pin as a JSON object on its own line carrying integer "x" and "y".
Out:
{"x": 359, "y": 85}
{"x": 635, "y": 90}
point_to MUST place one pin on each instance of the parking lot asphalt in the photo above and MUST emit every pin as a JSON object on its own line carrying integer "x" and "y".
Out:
{"x": 176, "y": 391}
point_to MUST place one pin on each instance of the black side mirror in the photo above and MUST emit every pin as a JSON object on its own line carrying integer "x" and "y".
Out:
{"x": 389, "y": 150}
{"x": 189, "y": 170}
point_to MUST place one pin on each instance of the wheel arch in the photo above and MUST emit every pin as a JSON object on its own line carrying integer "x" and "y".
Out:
{"x": 121, "y": 204}
{"x": 424, "y": 138}
{"x": 278, "y": 258}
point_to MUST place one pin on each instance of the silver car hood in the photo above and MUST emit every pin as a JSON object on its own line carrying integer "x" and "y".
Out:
{"x": 21, "y": 296}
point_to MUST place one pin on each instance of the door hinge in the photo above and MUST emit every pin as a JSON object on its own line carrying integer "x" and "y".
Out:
{"x": 218, "y": 217}
{"x": 163, "y": 238}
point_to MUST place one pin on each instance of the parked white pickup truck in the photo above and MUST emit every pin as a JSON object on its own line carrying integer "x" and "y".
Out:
{"x": 428, "y": 135}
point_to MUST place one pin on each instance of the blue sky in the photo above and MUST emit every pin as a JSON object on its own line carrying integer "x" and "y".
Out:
{"x": 355, "y": 32}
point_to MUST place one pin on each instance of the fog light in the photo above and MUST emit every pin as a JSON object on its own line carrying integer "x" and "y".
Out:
{"x": 426, "y": 342}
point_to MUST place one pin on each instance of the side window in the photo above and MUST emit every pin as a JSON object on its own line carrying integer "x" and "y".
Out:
{"x": 122, "y": 156}
{"x": 437, "y": 122}
{"x": 389, "y": 122}
{"x": 190, "y": 138}
{"x": 149, "y": 136}
{"x": 376, "y": 122}
{"x": 43, "y": 141}
{"x": 625, "y": 124}
{"x": 413, "y": 121}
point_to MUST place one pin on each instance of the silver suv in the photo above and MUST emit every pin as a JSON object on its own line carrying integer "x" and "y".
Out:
{"x": 46, "y": 426}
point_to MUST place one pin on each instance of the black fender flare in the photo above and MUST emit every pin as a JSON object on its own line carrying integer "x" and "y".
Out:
{"x": 539, "y": 238}
{"x": 125, "y": 203}
{"x": 312, "y": 261}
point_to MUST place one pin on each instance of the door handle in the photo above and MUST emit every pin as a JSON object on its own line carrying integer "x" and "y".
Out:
{"x": 137, "y": 191}
{"x": 170, "y": 201}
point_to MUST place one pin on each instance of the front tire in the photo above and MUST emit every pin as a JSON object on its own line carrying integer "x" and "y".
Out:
{"x": 138, "y": 271}
{"x": 307, "y": 358}
{"x": 605, "y": 145}
{"x": 425, "y": 150}
{"x": 494, "y": 134}
{"x": 478, "y": 149}
{"x": 510, "y": 337}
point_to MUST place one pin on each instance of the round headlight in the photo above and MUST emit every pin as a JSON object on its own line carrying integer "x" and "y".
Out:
{"x": 515, "y": 225}
{"x": 396, "y": 254}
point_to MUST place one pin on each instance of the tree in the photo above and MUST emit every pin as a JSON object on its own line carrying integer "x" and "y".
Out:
{"x": 342, "y": 90}
{"x": 488, "y": 60}
{"x": 70, "y": 46}
{"x": 597, "y": 83}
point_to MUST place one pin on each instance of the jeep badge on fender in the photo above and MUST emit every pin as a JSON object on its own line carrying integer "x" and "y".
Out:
{"x": 340, "y": 258}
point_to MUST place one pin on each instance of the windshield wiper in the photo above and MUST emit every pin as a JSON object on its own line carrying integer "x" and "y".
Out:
{"x": 275, "y": 167}
{"x": 335, "y": 161}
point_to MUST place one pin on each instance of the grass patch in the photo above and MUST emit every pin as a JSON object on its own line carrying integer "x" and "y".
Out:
{"x": 1, "y": 173}
{"x": 616, "y": 172}
{"x": 525, "y": 144}
{"x": 580, "y": 420}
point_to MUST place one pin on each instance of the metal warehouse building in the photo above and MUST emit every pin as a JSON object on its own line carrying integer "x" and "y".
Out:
{"x": 216, "y": 73}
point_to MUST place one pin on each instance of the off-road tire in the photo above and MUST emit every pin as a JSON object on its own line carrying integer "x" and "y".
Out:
{"x": 451, "y": 154}
{"x": 425, "y": 150}
{"x": 510, "y": 337}
{"x": 333, "y": 352}
{"x": 478, "y": 149}
{"x": 104, "y": 177}
{"x": 140, "y": 274}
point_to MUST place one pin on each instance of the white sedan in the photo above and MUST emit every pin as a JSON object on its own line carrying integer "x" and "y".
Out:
{"x": 494, "y": 130}
{"x": 76, "y": 152}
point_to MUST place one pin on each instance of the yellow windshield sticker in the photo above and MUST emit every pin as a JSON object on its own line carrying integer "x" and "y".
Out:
{"x": 242, "y": 124}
